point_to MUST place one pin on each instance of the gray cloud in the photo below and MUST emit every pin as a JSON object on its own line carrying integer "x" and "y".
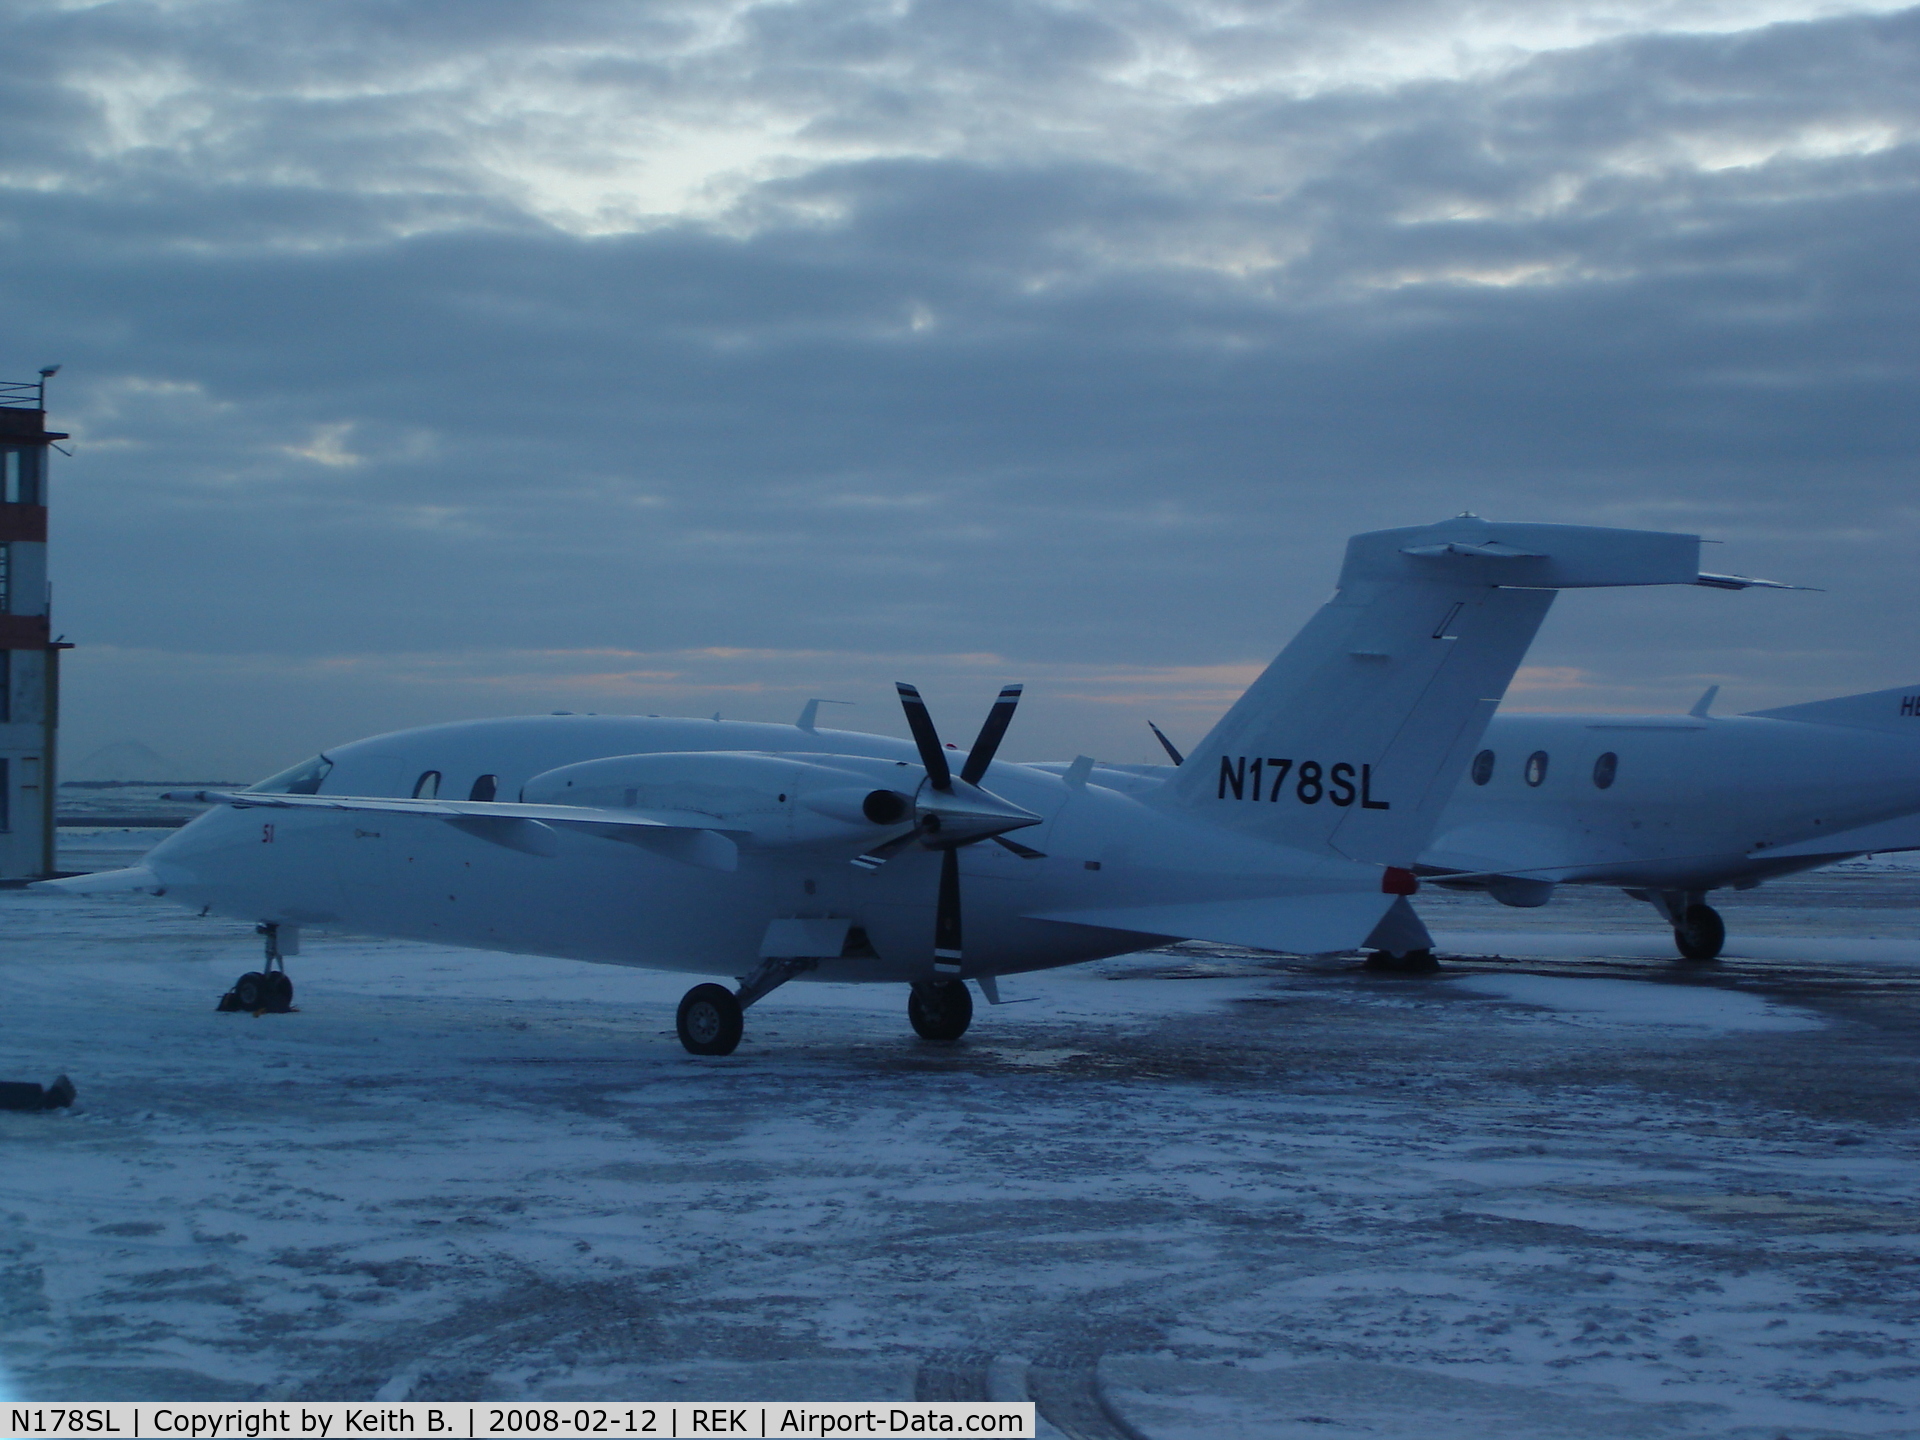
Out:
{"x": 1072, "y": 337}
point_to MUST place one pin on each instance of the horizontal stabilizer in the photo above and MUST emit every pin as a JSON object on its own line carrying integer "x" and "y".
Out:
{"x": 1296, "y": 924}
{"x": 1895, "y": 710}
{"x": 1353, "y": 738}
{"x": 104, "y": 882}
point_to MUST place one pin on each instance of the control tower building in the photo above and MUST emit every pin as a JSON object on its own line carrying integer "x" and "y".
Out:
{"x": 29, "y": 655}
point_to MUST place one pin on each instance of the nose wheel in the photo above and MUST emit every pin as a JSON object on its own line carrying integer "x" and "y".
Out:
{"x": 268, "y": 991}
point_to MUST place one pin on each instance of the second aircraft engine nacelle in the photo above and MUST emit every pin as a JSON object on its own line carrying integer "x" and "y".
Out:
{"x": 775, "y": 799}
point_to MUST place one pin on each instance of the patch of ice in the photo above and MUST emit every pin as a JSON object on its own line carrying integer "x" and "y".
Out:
{"x": 1633, "y": 1002}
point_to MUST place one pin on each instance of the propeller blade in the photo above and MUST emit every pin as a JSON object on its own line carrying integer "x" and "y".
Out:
{"x": 1023, "y": 851}
{"x": 992, "y": 732}
{"x": 946, "y": 919}
{"x": 925, "y": 736}
{"x": 886, "y": 850}
{"x": 1166, "y": 745}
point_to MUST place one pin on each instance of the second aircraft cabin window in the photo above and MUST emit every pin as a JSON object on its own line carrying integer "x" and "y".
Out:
{"x": 485, "y": 788}
{"x": 1536, "y": 767}
{"x": 427, "y": 786}
{"x": 1483, "y": 767}
{"x": 1604, "y": 769}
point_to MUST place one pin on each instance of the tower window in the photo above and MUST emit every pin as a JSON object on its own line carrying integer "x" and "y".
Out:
{"x": 6, "y": 579}
{"x": 485, "y": 788}
{"x": 427, "y": 786}
{"x": 1605, "y": 768}
{"x": 20, "y": 477}
{"x": 1536, "y": 767}
{"x": 1483, "y": 767}
{"x": 6, "y": 686}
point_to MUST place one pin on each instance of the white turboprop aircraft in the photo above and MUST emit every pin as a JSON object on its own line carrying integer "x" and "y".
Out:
{"x": 771, "y": 852}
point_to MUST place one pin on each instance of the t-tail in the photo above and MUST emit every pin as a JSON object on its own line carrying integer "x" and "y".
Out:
{"x": 1354, "y": 737}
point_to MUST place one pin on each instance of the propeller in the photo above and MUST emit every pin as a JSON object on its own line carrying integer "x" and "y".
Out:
{"x": 951, "y": 811}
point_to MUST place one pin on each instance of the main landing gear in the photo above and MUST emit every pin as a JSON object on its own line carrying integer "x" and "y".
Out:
{"x": 1698, "y": 931}
{"x": 1410, "y": 962}
{"x": 267, "y": 991}
{"x": 711, "y": 1017}
{"x": 939, "y": 1009}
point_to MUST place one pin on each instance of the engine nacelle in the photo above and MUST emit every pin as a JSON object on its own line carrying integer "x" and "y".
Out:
{"x": 775, "y": 799}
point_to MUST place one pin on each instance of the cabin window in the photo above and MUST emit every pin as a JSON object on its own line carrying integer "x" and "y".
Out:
{"x": 485, "y": 788}
{"x": 1605, "y": 768}
{"x": 1536, "y": 767}
{"x": 303, "y": 779}
{"x": 1483, "y": 767}
{"x": 427, "y": 786}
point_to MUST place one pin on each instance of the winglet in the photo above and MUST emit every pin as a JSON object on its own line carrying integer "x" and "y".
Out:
{"x": 1704, "y": 703}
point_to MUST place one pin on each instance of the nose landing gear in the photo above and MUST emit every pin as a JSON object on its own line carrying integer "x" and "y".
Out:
{"x": 268, "y": 991}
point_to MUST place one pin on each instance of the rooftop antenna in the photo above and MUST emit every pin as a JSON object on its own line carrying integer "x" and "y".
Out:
{"x": 47, "y": 372}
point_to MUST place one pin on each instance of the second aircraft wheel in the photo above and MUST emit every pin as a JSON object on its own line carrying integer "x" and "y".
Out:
{"x": 940, "y": 1009}
{"x": 709, "y": 1020}
{"x": 279, "y": 991}
{"x": 1700, "y": 933}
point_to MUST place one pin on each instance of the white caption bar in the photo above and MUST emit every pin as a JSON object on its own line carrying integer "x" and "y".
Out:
{"x": 253, "y": 1420}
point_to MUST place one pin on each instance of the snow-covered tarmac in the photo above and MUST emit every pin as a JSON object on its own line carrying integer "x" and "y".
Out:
{"x": 1587, "y": 1191}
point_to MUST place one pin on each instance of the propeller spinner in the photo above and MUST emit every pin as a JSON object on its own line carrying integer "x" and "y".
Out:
{"x": 951, "y": 811}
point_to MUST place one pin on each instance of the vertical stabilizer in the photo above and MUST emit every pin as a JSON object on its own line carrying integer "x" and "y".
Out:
{"x": 1354, "y": 737}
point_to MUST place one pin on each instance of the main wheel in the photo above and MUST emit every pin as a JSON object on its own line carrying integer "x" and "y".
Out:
{"x": 250, "y": 991}
{"x": 1411, "y": 962}
{"x": 709, "y": 1020}
{"x": 1700, "y": 933}
{"x": 279, "y": 991}
{"x": 940, "y": 1009}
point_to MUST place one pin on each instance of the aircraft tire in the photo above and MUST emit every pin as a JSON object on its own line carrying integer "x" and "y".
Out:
{"x": 709, "y": 1020}
{"x": 279, "y": 991}
{"x": 1412, "y": 962}
{"x": 1700, "y": 933}
{"x": 940, "y": 1009}
{"x": 250, "y": 991}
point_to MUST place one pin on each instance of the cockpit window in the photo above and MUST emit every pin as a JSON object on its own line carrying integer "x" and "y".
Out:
{"x": 427, "y": 786}
{"x": 303, "y": 779}
{"x": 485, "y": 788}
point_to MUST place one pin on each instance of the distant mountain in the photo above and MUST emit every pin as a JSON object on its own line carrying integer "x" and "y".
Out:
{"x": 123, "y": 760}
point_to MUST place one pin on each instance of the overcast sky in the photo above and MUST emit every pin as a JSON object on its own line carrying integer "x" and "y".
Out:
{"x": 437, "y": 360}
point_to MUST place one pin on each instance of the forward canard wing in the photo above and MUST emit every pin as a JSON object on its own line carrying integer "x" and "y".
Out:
{"x": 696, "y": 839}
